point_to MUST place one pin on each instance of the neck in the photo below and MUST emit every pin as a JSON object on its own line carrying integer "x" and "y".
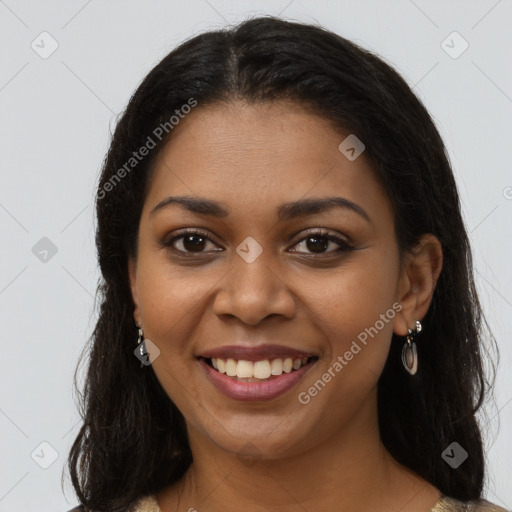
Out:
{"x": 349, "y": 471}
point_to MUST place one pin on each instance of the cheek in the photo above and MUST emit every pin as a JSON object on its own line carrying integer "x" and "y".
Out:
{"x": 171, "y": 299}
{"x": 353, "y": 307}
{"x": 171, "y": 310}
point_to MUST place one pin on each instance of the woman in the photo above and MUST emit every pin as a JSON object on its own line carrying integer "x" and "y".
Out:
{"x": 288, "y": 316}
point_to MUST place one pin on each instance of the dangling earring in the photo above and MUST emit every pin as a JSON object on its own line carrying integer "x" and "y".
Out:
{"x": 140, "y": 345}
{"x": 409, "y": 352}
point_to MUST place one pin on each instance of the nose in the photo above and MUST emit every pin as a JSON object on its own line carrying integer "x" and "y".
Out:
{"x": 253, "y": 291}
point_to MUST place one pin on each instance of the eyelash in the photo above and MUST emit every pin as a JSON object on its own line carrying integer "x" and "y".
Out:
{"x": 319, "y": 233}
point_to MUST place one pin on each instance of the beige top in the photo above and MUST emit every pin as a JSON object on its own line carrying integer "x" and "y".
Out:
{"x": 444, "y": 504}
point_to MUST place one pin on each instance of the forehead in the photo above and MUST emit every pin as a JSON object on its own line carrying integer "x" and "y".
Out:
{"x": 255, "y": 155}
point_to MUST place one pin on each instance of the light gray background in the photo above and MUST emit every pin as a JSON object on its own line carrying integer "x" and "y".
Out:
{"x": 55, "y": 117}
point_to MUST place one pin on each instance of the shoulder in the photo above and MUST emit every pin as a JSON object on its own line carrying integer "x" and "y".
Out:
{"x": 144, "y": 504}
{"x": 446, "y": 504}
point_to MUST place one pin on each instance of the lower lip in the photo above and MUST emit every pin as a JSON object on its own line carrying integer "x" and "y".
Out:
{"x": 254, "y": 391}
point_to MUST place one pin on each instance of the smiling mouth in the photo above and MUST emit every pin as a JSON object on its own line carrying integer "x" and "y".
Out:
{"x": 257, "y": 371}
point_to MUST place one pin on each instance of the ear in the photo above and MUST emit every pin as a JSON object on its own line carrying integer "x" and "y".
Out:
{"x": 420, "y": 272}
{"x": 132, "y": 274}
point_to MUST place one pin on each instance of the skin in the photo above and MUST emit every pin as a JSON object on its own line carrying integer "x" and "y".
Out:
{"x": 253, "y": 158}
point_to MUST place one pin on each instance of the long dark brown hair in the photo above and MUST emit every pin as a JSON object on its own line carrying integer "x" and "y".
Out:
{"x": 133, "y": 440}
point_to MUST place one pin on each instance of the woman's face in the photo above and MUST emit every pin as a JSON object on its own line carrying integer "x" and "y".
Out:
{"x": 258, "y": 273}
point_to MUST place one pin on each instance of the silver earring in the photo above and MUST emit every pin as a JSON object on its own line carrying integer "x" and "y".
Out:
{"x": 409, "y": 352}
{"x": 140, "y": 344}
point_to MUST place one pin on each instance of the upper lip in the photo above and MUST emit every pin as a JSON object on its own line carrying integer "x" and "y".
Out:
{"x": 254, "y": 353}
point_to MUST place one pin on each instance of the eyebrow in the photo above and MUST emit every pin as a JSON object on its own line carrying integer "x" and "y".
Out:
{"x": 286, "y": 211}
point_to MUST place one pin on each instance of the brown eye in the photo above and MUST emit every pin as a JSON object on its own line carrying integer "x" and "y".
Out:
{"x": 318, "y": 243}
{"x": 194, "y": 243}
{"x": 189, "y": 242}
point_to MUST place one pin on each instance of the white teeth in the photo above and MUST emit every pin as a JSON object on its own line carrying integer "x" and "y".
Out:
{"x": 276, "y": 367}
{"x": 231, "y": 367}
{"x": 244, "y": 369}
{"x": 263, "y": 369}
{"x": 287, "y": 365}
